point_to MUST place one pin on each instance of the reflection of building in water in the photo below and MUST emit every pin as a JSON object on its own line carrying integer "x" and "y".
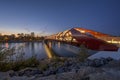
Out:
{"x": 58, "y": 44}
{"x": 27, "y": 45}
{"x": 32, "y": 48}
{"x": 50, "y": 44}
{"x": 6, "y": 45}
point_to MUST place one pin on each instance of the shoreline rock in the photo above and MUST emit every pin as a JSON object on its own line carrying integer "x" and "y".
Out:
{"x": 58, "y": 67}
{"x": 70, "y": 66}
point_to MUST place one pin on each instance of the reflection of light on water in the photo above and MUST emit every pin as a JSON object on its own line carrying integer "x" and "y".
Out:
{"x": 6, "y": 45}
{"x": 50, "y": 44}
{"x": 47, "y": 51}
{"x": 58, "y": 44}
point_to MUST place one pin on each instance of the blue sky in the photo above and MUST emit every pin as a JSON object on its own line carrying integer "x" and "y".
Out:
{"x": 52, "y": 16}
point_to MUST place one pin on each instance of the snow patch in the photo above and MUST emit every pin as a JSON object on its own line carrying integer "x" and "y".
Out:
{"x": 105, "y": 54}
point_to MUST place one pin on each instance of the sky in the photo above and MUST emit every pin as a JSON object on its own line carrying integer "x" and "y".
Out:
{"x": 52, "y": 16}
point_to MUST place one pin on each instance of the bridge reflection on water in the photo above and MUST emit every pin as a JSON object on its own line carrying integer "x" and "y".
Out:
{"x": 54, "y": 48}
{"x": 44, "y": 50}
{"x": 49, "y": 51}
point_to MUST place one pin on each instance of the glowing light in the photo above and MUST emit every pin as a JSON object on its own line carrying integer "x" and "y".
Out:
{"x": 74, "y": 40}
{"x": 109, "y": 41}
{"x": 113, "y": 41}
{"x": 82, "y": 31}
{"x": 70, "y": 33}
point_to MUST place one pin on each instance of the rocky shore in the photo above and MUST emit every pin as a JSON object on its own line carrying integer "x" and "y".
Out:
{"x": 68, "y": 69}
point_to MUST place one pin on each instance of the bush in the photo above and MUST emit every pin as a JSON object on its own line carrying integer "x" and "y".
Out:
{"x": 31, "y": 62}
{"x": 43, "y": 67}
{"x": 83, "y": 54}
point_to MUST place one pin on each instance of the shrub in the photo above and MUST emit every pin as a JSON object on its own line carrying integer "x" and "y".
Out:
{"x": 43, "y": 67}
{"x": 83, "y": 54}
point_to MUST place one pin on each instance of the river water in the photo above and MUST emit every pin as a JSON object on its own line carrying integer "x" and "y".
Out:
{"x": 41, "y": 52}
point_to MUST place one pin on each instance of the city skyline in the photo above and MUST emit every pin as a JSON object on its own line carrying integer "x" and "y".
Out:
{"x": 23, "y": 34}
{"x": 49, "y": 17}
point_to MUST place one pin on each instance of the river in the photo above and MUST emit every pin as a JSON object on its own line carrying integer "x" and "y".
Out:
{"x": 41, "y": 52}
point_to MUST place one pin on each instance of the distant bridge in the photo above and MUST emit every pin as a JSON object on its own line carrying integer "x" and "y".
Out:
{"x": 80, "y": 36}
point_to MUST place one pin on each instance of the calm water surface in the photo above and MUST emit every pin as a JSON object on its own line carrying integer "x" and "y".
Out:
{"x": 38, "y": 49}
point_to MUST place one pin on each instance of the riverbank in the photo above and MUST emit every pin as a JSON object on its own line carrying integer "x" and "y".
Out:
{"x": 67, "y": 69}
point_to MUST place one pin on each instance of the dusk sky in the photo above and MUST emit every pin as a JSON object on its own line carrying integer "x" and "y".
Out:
{"x": 52, "y": 16}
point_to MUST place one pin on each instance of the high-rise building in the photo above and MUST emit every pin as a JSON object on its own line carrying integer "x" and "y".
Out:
{"x": 32, "y": 34}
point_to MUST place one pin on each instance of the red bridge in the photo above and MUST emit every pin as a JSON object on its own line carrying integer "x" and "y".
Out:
{"x": 80, "y": 36}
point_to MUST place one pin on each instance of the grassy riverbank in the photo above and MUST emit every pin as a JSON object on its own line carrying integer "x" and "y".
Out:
{"x": 7, "y": 63}
{"x": 55, "y": 68}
